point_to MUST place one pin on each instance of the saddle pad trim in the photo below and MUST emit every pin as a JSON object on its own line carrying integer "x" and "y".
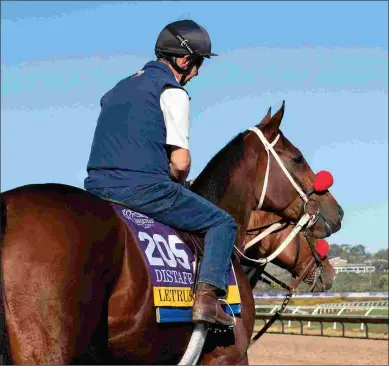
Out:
{"x": 181, "y": 296}
{"x": 179, "y": 315}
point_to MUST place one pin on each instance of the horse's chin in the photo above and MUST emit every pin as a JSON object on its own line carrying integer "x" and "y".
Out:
{"x": 323, "y": 283}
{"x": 322, "y": 229}
{"x": 320, "y": 287}
{"x": 320, "y": 232}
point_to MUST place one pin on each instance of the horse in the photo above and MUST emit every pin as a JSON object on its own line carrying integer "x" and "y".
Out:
{"x": 318, "y": 272}
{"x": 75, "y": 287}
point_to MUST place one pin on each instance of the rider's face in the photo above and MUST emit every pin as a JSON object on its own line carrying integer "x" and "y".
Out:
{"x": 184, "y": 63}
{"x": 194, "y": 72}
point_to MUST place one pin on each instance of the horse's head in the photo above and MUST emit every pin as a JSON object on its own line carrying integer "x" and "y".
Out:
{"x": 305, "y": 257}
{"x": 299, "y": 259}
{"x": 282, "y": 190}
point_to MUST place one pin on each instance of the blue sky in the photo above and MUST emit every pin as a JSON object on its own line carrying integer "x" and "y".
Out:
{"x": 328, "y": 60}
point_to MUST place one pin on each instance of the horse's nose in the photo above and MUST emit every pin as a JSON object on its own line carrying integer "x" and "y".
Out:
{"x": 341, "y": 212}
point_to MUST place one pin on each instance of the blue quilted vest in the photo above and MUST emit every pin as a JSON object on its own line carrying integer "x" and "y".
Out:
{"x": 129, "y": 144}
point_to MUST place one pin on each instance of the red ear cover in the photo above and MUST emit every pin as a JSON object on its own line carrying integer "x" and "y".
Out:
{"x": 323, "y": 181}
{"x": 322, "y": 248}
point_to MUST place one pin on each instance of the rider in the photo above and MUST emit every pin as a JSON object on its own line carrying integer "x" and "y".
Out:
{"x": 140, "y": 157}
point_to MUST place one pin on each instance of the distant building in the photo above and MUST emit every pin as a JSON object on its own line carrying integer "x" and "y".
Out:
{"x": 337, "y": 261}
{"x": 341, "y": 265}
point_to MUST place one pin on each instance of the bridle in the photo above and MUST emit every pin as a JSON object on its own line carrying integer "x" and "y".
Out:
{"x": 269, "y": 147}
{"x": 316, "y": 259}
{"x": 306, "y": 220}
{"x": 308, "y": 275}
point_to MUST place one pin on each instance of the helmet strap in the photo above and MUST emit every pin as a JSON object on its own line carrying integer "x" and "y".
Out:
{"x": 183, "y": 72}
{"x": 173, "y": 61}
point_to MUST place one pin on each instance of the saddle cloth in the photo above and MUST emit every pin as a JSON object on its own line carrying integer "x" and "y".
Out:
{"x": 171, "y": 264}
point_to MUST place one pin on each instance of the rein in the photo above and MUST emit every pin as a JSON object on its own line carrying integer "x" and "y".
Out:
{"x": 261, "y": 228}
{"x": 314, "y": 260}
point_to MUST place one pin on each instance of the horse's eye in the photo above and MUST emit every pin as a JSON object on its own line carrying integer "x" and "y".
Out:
{"x": 299, "y": 159}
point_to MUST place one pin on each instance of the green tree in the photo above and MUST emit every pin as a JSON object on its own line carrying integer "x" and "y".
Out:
{"x": 381, "y": 265}
{"x": 346, "y": 251}
{"x": 381, "y": 254}
{"x": 358, "y": 249}
{"x": 335, "y": 251}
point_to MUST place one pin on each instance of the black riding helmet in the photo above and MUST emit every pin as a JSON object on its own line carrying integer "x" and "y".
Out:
{"x": 184, "y": 37}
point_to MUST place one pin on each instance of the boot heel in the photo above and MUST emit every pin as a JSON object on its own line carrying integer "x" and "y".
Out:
{"x": 199, "y": 318}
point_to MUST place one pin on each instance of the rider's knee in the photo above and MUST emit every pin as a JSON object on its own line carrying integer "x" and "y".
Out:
{"x": 230, "y": 222}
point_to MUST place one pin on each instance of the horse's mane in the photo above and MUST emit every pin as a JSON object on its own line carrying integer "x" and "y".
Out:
{"x": 213, "y": 180}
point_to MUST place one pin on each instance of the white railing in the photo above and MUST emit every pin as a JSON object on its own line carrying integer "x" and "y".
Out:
{"x": 354, "y": 269}
{"x": 342, "y": 319}
{"x": 324, "y": 294}
{"x": 336, "y": 309}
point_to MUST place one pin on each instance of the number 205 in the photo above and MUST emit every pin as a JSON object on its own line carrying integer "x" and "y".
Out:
{"x": 174, "y": 254}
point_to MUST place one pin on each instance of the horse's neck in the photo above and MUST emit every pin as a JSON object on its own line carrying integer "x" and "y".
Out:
{"x": 238, "y": 199}
{"x": 260, "y": 219}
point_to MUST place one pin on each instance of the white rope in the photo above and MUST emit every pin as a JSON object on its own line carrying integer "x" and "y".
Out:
{"x": 269, "y": 147}
{"x": 303, "y": 221}
{"x": 306, "y": 218}
{"x": 262, "y": 235}
{"x": 264, "y": 188}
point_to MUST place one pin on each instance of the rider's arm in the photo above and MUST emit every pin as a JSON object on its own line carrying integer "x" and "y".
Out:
{"x": 179, "y": 164}
{"x": 175, "y": 108}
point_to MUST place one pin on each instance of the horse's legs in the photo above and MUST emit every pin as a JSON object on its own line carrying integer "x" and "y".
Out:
{"x": 57, "y": 271}
{"x": 229, "y": 348}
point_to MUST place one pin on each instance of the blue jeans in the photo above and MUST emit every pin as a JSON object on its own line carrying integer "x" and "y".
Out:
{"x": 177, "y": 207}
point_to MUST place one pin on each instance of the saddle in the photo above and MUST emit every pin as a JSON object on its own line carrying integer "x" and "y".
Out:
{"x": 173, "y": 258}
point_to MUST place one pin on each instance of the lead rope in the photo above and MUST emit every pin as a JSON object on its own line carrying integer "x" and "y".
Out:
{"x": 288, "y": 296}
{"x": 275, "y": 317}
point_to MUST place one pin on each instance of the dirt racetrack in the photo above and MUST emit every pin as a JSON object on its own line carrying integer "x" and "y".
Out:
{"x": 280, "y": 349}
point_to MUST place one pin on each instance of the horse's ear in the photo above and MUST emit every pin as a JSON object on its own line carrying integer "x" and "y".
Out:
{"x": 274, "y": 124}
{"x": 266, "y": 119}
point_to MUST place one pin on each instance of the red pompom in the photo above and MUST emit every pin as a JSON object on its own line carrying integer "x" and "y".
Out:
{"x": 322, "y": 248}
{"x": 323, "y": 181}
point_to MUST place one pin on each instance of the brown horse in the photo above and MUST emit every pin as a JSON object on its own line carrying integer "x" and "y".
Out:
{"x": 294, "y": 258}
{"x": 73, "y": 275}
